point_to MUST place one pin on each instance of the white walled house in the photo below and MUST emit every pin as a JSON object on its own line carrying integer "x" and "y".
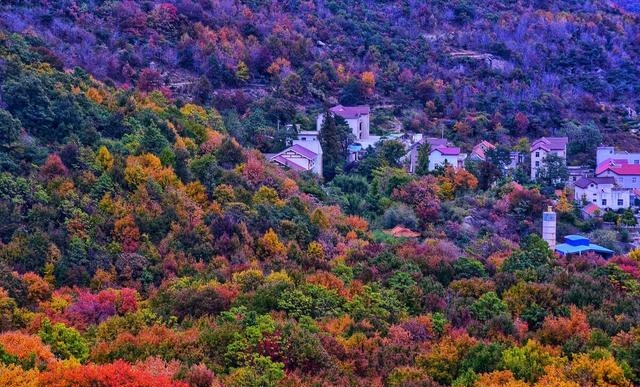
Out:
{"x": 543, "y": 147}
{"x": 626, "y": 175}
{"x": 604, "y": 153}
{"x": 304, "y": 155}
{"x": 357, "y": 117}
{"x": 603, "y": 192}
{"x": 448, "y": 155}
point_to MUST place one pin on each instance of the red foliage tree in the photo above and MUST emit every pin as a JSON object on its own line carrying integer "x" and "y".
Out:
{"x": 117, "y": 374}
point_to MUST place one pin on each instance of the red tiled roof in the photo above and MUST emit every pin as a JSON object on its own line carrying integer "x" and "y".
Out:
{"x": 550, "y": 143}
{"x": 591, "y": 208}
{"x": 347, "y": 112}
{"x": 447, "y": 150}
{"x": 480, "y": 149}
{"x": 402, "y": 232}
{"x": 619, "y": 167}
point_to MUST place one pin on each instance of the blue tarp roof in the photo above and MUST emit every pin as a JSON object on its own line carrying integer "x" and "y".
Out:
{"x": 577, "y": 244}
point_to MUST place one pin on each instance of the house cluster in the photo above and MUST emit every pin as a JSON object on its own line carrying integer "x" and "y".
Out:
{"x": 305, "y": 152}
{"x": 613, "y": 185}
{"x": 441, "y": 153}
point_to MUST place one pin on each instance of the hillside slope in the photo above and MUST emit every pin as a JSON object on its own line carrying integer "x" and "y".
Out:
{"x": 439, "y": 62}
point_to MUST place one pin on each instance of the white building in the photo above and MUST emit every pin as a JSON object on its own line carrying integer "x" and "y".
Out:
{"x": 441, "y": 152}
{"x": 305, "y": 154}
{"x": 603, "y": 192}
{"x": 543, "y": 147}
{"x": 604, "y": 153}
{"x": 357, "y": 118}
{"x": 626, "y": 174}
{"x": 446, "y": 155}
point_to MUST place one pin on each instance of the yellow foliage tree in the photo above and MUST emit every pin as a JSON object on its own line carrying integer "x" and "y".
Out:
{"x": 104, "y": 159}
{"x": 270, "y": 248}
{"x": 564, "y": 206}
{"x": 319, "y": 219}
{"x": 15, "y": 376}
{"x": 369, "y": 81}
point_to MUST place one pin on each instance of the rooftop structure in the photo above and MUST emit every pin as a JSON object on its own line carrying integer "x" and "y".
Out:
{"x": 608, "y": 152}
{"x": 626, "y": 175}
{"x": 578, "y": 244}
{"x": 350, "y": 112}
{"x": 479, "y": 151}
{"x": 402, "y": 232}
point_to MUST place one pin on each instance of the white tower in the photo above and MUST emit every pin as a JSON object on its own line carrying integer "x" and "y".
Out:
{"x": 549, "y": 227}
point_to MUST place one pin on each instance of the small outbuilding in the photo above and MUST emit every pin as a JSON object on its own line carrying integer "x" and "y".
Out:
{"x": 578, "y": 244}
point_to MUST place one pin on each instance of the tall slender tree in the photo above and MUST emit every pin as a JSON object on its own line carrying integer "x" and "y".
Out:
{"x": 422, "y": 166}
{"x": 334, "y": 145}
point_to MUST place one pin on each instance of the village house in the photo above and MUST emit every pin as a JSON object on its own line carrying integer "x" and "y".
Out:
{"x": 603, "y": 192}
{"x": 357, "y": 117}
{"x": 604, "y": 153}
{"x": 479, "y": 151}
{"x": 575, "y": 173}
{"x": 626, "y": 175}
{"x": 446, "y": 155}
{"x": 543, "y": 147}
{"x": 441, "y": 153}
{"x": 304, "y": 155}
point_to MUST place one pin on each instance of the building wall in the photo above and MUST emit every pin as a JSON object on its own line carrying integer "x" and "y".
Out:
{"x": 604, "y": 196}
{"x": 359, "y": 126}
{"x": 608, "y": 152}
{"x": 627, "y": 181}
{"x": 436, "y": 158}
{"x": 538, "y": 156}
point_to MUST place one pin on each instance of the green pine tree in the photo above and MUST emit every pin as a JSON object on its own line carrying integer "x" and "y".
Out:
{"x": 422, "y": 166}
{"x": 330, "y": 140}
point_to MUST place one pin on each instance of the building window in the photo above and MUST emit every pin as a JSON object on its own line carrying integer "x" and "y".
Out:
{"x": 595, "y": 200}
{"x": 537, "y": 154}
{"x": 604, "y": 202}
{"x": 621, "y": 202}
{"x": 633, "y": 179}
{"x": 537, "y": 163}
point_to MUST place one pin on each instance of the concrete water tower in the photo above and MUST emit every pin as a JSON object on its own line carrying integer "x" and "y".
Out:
{"x": 549, "y": 227}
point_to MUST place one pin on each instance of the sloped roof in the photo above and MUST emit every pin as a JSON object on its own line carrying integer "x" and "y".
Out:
{"x": 347, "y": 112}
{"x": 436, "y": 142}
{"x": 550, "y": 143}
{"x": 288, "y": 163}
{"x": 402, "y": 232}
{"x": 447, "y": 150}
{"x": 303, "y": 151}
{"x": 591, "y": 209}
{"x": 282, "y": 159}
{"x": 619, "y": 167}
{"x": 577, "y": 244}
{"x": 584, "y": 182}
{"x": 480, "y": 149}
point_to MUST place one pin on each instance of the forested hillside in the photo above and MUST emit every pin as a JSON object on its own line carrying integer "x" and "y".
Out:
{"x": 146, "y": 242}
{"x": 498, "y": 69}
